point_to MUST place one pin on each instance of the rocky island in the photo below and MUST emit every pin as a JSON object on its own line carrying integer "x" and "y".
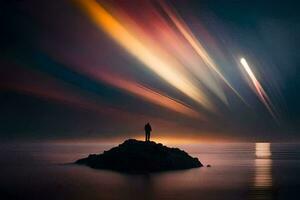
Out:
{"x": 135, "y": 156}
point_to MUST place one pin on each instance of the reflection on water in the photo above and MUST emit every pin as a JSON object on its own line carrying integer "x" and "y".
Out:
{"x": 263, "y": 172}
{"x": 239, "y": 171}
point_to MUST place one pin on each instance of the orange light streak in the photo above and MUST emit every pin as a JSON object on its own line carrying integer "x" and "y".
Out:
{"x": 166, "y": 68}
{"x": 148, "y": 94}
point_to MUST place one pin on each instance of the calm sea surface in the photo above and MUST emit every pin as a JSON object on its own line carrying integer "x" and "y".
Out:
{"x": 239, "y": 171}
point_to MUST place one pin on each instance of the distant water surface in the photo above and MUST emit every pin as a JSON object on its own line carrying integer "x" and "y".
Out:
{"x": 239, "y": 171}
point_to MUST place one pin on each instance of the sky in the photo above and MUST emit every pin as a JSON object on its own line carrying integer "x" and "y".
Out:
{"x": 196, "y": 70}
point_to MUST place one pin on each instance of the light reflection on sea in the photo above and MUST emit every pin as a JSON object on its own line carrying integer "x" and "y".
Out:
{"x": 239, "y": 171}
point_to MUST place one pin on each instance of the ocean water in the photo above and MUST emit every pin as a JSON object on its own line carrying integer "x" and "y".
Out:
{"x": 238, "y": 171}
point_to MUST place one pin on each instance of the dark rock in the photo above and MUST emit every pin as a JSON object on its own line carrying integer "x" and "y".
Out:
{"x": 135, "y": 156}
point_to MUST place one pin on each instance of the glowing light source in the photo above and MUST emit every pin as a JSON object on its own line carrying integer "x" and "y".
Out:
{"x": 258, "y": 89}
{"x": 262, "y": 150}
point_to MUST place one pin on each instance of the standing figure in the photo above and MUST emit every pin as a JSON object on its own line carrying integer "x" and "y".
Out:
{"x": 148, "y": 129}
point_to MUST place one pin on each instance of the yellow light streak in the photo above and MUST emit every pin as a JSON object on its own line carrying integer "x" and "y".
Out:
{"x": 165, "y": 68}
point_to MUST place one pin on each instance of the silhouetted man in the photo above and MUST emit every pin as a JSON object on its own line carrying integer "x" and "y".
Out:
{"x": 148, "y": 129}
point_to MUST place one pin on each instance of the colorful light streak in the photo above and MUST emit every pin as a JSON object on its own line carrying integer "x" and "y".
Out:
{"x": 155, "y": 42}
{"x": 140, "y": 90}
{"x": 52, "y": 90}
{"x": 101, "y": 74}
{"x": 200, "y": 50}
{"x": 157, "y": 61}
{"x": 259, "y": 90}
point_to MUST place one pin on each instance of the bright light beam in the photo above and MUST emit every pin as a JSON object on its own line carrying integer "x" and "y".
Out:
{"x": 164, "y": 67}
{"x": 259, "y": 89}
{"x": 198, "y": 47}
